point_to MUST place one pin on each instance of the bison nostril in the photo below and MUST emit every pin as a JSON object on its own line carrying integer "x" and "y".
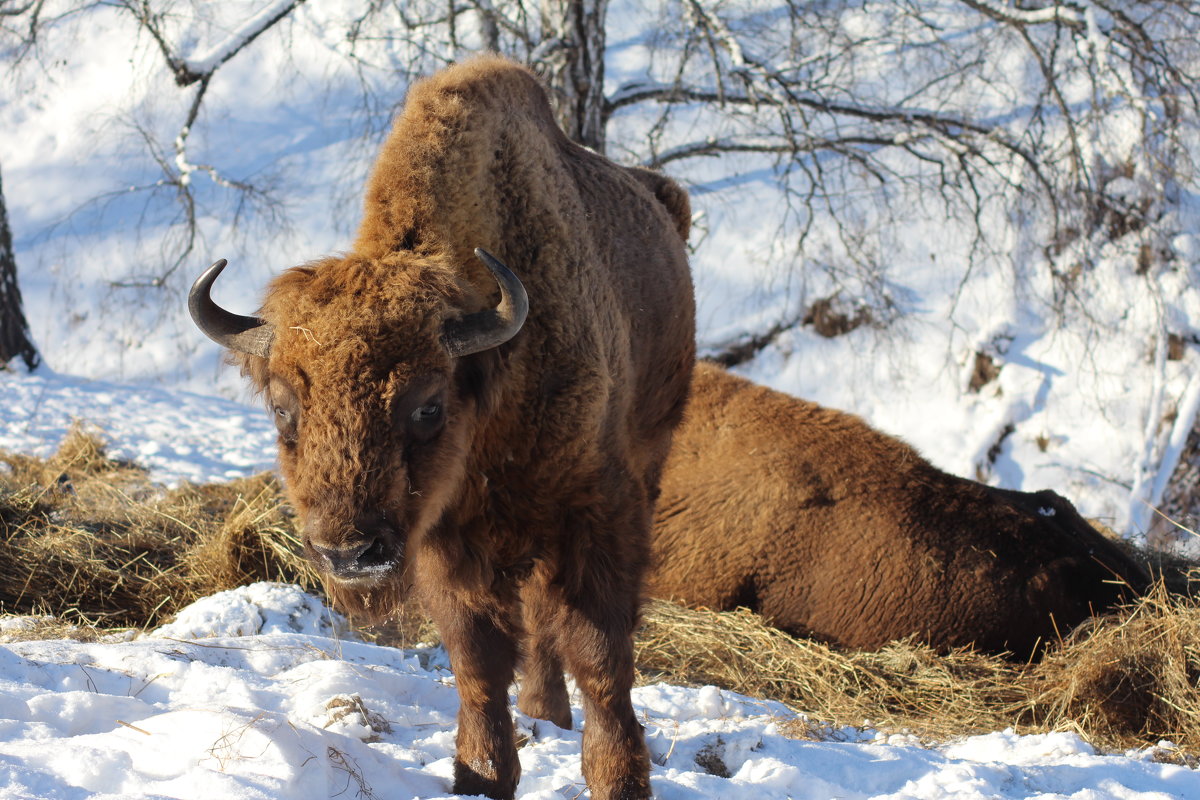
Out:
{"x": 374, "y": 547}
{"x": 367, "y": 557}
{"x": 375, "y": 554}
{"x": 341, "y": 559}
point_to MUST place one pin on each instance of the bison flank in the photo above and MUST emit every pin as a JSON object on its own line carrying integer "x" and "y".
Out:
{"x": 835, "y": 531}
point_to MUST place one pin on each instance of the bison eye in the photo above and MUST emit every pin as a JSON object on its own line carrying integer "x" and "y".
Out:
{"x": 282, "y": 416}
{"x": 426, "y": 414}
{"x": 426, "y": 421}
{"x": 285, "y": 423}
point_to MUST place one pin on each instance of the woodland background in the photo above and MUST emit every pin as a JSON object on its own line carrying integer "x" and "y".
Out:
{"x": 972, "y": 221}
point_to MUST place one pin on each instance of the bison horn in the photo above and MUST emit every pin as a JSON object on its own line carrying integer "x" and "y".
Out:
{"x": 494, "y": 326}
{"x": 243, "y": 334}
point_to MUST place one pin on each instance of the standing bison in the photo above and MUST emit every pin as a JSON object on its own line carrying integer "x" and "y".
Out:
{"x": 835, "y": 531}
{"x": 488, "y": 430}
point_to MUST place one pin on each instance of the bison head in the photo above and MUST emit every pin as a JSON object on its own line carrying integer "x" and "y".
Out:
{"x": 369, "y": 368}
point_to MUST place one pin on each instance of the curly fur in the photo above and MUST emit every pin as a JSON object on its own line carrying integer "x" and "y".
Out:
{"x": 532, "y": 507}
{"x": 836, "y": 531}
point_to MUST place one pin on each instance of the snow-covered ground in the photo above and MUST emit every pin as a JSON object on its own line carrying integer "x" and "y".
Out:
{"x": 254, "y": 693}
{"x": 176, "y": 435}
{"x": 260, "y": 692}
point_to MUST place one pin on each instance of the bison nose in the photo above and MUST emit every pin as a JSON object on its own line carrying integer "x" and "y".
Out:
{"x": 371, "y": 552}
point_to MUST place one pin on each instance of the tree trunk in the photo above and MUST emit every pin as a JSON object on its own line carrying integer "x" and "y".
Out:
{"x": 15, "y": 340}
{"x": 573, "y": 65}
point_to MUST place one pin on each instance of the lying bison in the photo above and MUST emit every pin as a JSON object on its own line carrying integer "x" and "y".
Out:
{"x": 835, "y": 531}
{"x": 494, "y": 442}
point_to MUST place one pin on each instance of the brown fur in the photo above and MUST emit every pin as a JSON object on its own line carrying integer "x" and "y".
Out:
{"x": 531, "y": 508}
{"x": 835, "y": 531}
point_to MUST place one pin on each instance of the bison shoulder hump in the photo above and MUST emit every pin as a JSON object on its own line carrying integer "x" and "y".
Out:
{"x": 488, "y": 81}
{"x": 670, "y": 194}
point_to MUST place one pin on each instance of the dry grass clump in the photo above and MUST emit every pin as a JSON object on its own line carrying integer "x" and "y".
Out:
{"x": 903, "y": 687}
{"x": 42, "y": 627}
{"x": 1128, "y": 680}
{"x": 89, "y": 539}
{"x": 243, "y": 533}
{"x": 1124, "y": 681}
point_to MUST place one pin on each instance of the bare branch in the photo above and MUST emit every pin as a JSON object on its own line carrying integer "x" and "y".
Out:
{"x": 1058, "y": 13}
{"x": 717, "y": 147}
{"x": 11, "y": 8}
{"x": 190, "y": 69}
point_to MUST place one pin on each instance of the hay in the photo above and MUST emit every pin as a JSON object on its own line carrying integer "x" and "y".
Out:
{"x": 41, "y": 628}
{"x": 90, "y": 540}
{"x": 905, "y": 687}
{"x": 1124, "y": 681}
{"x": 251, "y": 536}
{"x": 1129, "y": 680}
{"x": 92, "y": 543}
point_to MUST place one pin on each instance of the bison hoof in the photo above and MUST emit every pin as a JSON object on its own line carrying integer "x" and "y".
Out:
{"x": 555, "y": 708}
{"x": 630, "y": 789}
{"x": 471, "y": 781}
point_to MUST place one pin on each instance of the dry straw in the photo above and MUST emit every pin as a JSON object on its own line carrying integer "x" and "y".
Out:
{"x": 1125, "y": 681}
{"x": 90, "y": 539}
{"x": 92, "y": 543}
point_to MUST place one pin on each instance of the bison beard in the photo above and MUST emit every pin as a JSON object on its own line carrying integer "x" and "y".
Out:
{"x": 835, "y": 531}
{"x": 489, "y": 431}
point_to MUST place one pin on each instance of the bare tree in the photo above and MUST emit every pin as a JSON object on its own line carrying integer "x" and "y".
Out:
{"x": 194, "y": 72}
{"x": 571, "y": 59}
{"x": 15, "y": 340}
{"x": 564, "y": 41}
{"x": 864, "y": 112}
{"x": 801, "y": 83}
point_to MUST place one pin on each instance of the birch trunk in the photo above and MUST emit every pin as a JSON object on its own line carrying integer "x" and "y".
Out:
{"x": 573, "y": 66}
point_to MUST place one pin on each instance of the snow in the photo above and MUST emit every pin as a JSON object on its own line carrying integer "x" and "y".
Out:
{"x": 178, "y": 436}
{"x": 262, "y": 692}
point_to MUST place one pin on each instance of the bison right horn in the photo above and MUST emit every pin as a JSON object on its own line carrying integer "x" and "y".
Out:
{"x": 492, "y": 327}
{"x": 242, "y": 334}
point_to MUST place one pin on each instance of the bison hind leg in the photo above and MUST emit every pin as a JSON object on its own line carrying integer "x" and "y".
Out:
{"x": 543, "y": 693}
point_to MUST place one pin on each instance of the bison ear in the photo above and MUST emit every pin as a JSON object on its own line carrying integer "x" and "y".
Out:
{"x": 492, "y": 327}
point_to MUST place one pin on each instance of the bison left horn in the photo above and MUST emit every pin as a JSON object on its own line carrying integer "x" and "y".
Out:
{"x": 242, "y": 334}
{"x": 492, "y": 327}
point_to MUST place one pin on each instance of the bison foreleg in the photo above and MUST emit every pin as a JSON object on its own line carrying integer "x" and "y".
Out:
{"x": 483, "y": 654}
{"x": 597, "y": 645}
